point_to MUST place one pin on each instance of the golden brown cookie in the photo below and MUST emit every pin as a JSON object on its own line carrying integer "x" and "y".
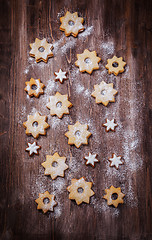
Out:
{"x": 55, "y": 165}
{"x": 114, "y": 196}
{"x": 33, "y": 148}
{"x": 71, "y": 24}
{"x": 59, "y": 105}
{"x": 115, "y": 161}
{"x": 115, "y": 65}
{"x": 87, "y": 61}
{"x": 110, "y": 125}
{"x": 80, "y": 190}
{"x": 34, "y": 87}
{"x": 60, "y": 76}
{"x": 36, "y": 125}
{"x": 46, "y": 202}
{"x": 104, "y": 93}
{"x": 41, "y": 50}
{"x": 78, "y": 134}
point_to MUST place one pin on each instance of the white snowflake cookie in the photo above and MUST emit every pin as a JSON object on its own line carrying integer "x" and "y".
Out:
{"x": 110, "y": 125}
{"x": 115, "y": 161}
{"x": 32, "y": 148}
{"x": 91, "y": 159}
{"x": 60, "y": 76}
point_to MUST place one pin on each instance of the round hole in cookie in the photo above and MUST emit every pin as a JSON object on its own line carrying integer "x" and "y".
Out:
{"x": 35, "y": 124}
{"x": 87, "y": 60}
{"x": 103, "y": 92}
{"x": 80, "y": 190}
{"x": 115, "y": 64}
{"x": 54, "y": 164}
{"x": 77, "y": 133}
{"x": 46, "y": 200}
{"x": 34, "y": 86}
{"x": 59, "y": 104}
{"x": 71, "y": 23}
{"x": 41, "y": 49}
{"x": 114, "y": 196}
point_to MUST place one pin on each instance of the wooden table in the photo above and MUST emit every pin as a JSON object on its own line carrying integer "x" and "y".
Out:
{"x": 116, "y": 27}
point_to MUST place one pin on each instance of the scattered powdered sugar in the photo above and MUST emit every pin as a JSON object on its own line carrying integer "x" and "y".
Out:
{"x": 107, "y": 48}
{"x": 127, "y": 135}
{"x": 69, "y": 42}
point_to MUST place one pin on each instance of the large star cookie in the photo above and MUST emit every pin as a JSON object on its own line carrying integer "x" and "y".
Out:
{"x": 78, "y": 134}
{"x": 80, "y": 190}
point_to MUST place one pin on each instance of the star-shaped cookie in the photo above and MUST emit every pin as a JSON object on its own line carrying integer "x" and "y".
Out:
{"x": 80, "y": 190}
{"x": 41, "y": 50}
{"x": 59, "y": 105}
{"x": 110, "y": 196}
{"x": 91, "y": 159}
{"x": 36, "y": 125}
{"x": 104, "y": 93}
{"x": 87, "y": 61}
{"x": 78, "y": 134}
{"x": 32, "y": 148}
{"x": 46, "y": 202}
{"x": 110, "y": 125}
{"x": 60, "y": 76}
{"x": 71, "y": 24}
{"x": 115, "y": 65}
{"x": 115, "y": 161}
{"x": 54, "y": 165}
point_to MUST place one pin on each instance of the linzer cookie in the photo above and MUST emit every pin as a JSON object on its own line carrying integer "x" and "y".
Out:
{"x": 114, "y": 196}
{"x": 78, "y": 134}
{"x": 59, "y": 105}
{"x": 80, "y": 190}
{"x": 87, "y": 61}
{"x": 115, "y": 65}
{"x": 41, "y": 50}
{"x": 71, "y": 24}
{"x": 36, "y": 125}
{"x": 104, "y": 93}
{"x": 46, "y": 202}
{"x": 55, "y": 165}
{"x": 34, "y": 87}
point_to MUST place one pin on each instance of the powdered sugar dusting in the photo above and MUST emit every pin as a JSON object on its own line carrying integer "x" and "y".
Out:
{"x": 127, "y": 132}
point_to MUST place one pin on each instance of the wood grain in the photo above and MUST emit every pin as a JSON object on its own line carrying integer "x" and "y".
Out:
{"x": 113, "y": 27}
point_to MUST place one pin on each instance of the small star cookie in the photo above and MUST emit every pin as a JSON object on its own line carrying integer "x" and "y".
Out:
{"x": 110, "y": 125}
{"x": 36, "y": 125}
{"x": 87, "y": 61}
{"x": 61, "y": 76}
{"x": 55, "y": 165}
{"x": 41, "y": 50}
{"x": 32, "y": 148}
{"x": 114, "y": 196}
{"x": 115, "y": 65}
{"x": 78, "y": 134}
{"x": 71, "y": 24}
{"x": 34, "y": 87}
{"x": 104, "y": 93}
{"x": 59, "y": 105}
{"x": 46, "y": 202}
{"x": 80, "y": 190}
{"x": 115, "y": 161}
{"x": 91, "y": 159}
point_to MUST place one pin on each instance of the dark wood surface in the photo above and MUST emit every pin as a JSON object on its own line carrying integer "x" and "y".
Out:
{"x": 113, "y": 27}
